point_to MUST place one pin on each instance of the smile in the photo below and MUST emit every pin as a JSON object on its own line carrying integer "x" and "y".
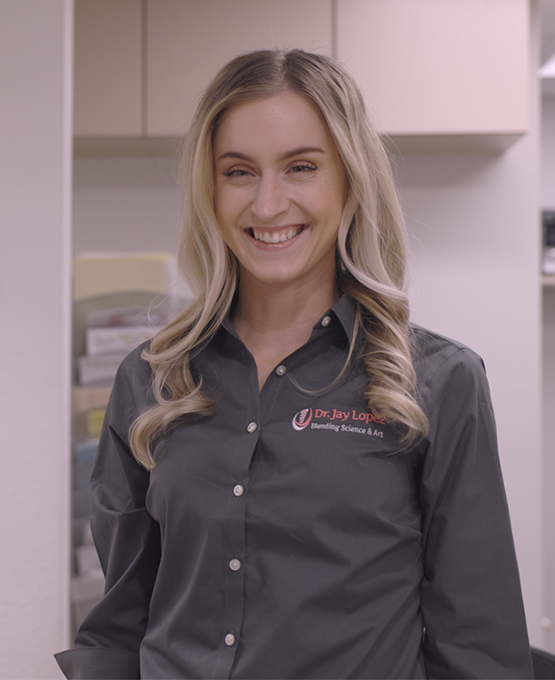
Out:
{"x": 275, "y": 236}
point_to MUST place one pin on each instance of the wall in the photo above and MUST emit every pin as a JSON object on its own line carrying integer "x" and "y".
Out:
{"x": 35, "y": 176}
{"x": 125, "y": 204}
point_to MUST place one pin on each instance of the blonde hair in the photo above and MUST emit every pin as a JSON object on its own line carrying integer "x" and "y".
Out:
{"x": 370, "y": 245}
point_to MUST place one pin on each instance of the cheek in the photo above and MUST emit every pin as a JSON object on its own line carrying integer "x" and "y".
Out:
{"x": 332, "y": 203}
{"x": 229, "y": 204}
{"x": 226, "y": 217}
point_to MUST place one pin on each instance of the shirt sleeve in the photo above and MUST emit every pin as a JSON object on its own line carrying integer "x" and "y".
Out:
{"x": 471, "y": 599}
{"x": 127, "y": 539}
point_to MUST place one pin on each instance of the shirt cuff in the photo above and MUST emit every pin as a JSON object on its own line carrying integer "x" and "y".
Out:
{"x": 94, "y": 663}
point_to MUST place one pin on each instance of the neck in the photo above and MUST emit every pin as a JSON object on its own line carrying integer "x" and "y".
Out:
{"x": 274, "y": 321}
{"x": 267, "y": 309}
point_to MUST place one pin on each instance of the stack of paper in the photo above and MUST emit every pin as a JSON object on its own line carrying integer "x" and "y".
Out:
{"x": 120, "y": 301}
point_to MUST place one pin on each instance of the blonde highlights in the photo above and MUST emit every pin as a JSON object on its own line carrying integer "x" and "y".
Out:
{"x": 371, "y": 246}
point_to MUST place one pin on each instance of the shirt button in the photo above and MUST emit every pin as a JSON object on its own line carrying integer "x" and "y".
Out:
{"x": 280, "y": 370}
{"x": 251, "y": 427}
{"x": 229, "y": 639}
{"x": 234, "y": 564}
{"x": 326, "y": 321}
{"x": 238, "y": 489}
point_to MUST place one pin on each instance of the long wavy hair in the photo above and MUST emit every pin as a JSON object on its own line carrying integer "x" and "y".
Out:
{"x": 370, "y": 246}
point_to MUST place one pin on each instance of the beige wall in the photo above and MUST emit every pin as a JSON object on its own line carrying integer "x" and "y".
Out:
{"x": 35, "y": 180}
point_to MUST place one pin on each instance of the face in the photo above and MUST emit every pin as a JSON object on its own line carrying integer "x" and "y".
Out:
{"x": 280, "y": 191}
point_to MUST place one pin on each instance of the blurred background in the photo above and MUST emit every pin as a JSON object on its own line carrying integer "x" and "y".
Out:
{"x": 96, "y": 95}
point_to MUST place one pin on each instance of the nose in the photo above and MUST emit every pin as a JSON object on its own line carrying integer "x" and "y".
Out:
{"x": 270, "y": 199}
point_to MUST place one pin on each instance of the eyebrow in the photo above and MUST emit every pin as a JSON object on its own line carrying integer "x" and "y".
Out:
{"x": 289, "y": 154}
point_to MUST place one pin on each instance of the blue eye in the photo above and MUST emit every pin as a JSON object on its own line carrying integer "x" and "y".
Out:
{"x": 236, "y": 172}
{"x": 303, "y": 167}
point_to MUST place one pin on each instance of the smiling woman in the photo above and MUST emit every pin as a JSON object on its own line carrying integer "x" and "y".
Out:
{"x": 279, "y": 203}
{"x": 293, "y": 481}
{"x": 279, "y": 194}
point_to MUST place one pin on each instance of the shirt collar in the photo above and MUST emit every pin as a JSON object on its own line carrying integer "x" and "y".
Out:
{"x": 344, "y": 310}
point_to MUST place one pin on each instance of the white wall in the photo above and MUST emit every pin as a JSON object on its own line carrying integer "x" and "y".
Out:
{"x": 35, "y": 181}
{"x": 125, "y": 204}
{"x": 475, "y": 240}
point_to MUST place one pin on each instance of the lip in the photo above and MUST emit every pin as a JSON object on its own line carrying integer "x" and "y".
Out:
{"x": 285, "y": 231}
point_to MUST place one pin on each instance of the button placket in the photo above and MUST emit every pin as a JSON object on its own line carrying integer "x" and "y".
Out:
{"x": 237, "y": 453}
{"x": 235, "y": 529}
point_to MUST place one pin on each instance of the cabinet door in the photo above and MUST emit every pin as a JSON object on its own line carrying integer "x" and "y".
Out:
{"x": 447, "y": 67}
{"x": 108, "y": 70}
{"x": 189, "y": 40}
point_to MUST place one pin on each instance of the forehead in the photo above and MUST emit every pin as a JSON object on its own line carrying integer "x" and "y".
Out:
{"x": 284, "y": 119}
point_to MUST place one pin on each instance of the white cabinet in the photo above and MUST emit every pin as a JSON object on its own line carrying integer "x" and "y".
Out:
{"x": 108, "y": 68}
{"x": 188, "y": 41}
{"x": 435, "y": 70}
{"x": 141, "y": 66}
{"x": 436, "y": 74}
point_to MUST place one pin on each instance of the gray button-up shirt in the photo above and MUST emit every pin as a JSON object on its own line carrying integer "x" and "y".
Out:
{"x": 284, "y": 537}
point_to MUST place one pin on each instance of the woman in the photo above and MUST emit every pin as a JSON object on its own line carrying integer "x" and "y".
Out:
{"x": 293, "y": 481}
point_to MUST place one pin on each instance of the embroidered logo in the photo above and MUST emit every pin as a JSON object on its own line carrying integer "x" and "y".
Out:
{"x": 358, "y": 422}
{"x": 301, "y": 419}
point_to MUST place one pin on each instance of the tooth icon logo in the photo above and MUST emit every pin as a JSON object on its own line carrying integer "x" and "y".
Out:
{"x": 301, "y": 419}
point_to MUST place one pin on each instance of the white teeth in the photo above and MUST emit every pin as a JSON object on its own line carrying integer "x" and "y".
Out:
{"x": 275, "y": 236}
